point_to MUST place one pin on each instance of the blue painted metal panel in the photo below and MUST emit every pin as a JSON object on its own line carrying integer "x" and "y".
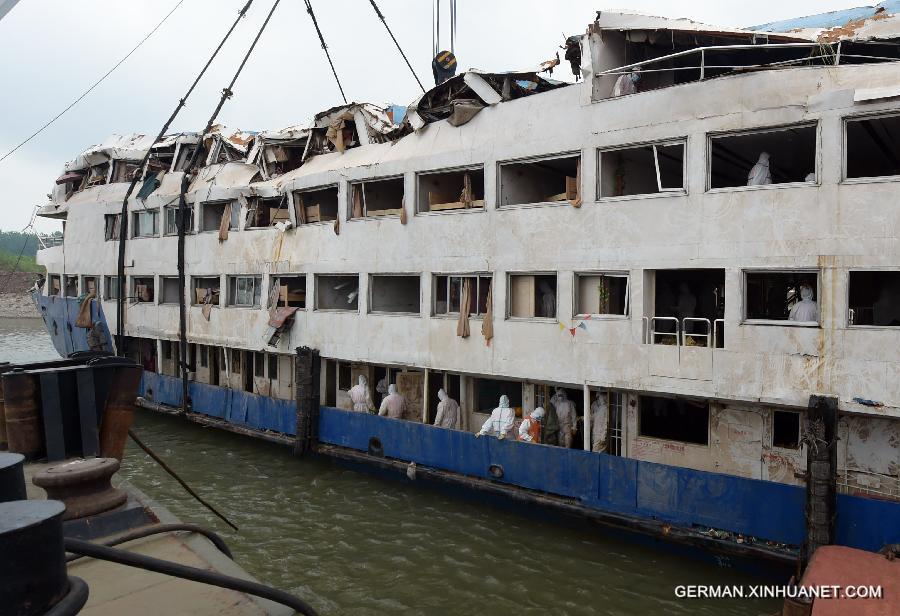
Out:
{"x": 616, "y": 483}
{"x": 827, "y": 20}
{"x": 209, "y": 399}
{"x": 867, "y": 523}
{"x": 59, "y": 315}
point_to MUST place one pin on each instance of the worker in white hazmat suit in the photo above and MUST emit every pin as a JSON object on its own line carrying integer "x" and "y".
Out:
{"x": 447, "y": 412}
{"x": 626, "y": 84}
{"x": 500, "y": 422}
{"x": 760, "y": 175}
{"x": 360, "y": 397}
{"x": 599, "y": 422}
{"x": 394, "y": 404}
{"x": 530, "y": 428}
{"x": 806, "y": 309}
{"x": 548, "y": 301}
{"x": 568, "y": 417}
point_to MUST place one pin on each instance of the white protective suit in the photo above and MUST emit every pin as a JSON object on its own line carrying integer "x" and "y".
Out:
{"x": 393, "y": 405}
{"x": 760, "y": 175}
{"x": 626, "y": 84}
{"x": 525, "y": 427}
{"x": 359, "y": 395}
{"x": 568, "y": 418}
{"x": 806, "y": 309}
{"x": 599, "y": 422}
{"x": 447, "y": 412}
{"x": 501, "y": 421}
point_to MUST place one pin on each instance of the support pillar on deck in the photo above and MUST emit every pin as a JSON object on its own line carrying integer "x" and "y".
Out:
{"x": 821, "y": 475}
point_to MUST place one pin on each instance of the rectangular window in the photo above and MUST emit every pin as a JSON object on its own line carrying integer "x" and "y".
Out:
{"x": 316, "y": 205}
{"x": 206, "y": 290}
{"x": 688, "y": 307}
{"x": 90, "y": 284}
{"x": 291, "y": 290}
{"x": 786, "y": 429}
{"x": 642, "y": 170}
{"x": 544, "y": 180}
{"x": 169, "y": 286}
{"x": 598, "y": 294}
{"x": 71, "y": 286}
{"x": 532, "y": 296}
{"x": 674, "y": 419}
{"x": 448, "y": 293}
{"x": 344, "y": 376}
{"x": 395, "y": 294}
{"x": 279, "y": 158}
{"x": 171, "y": 220}
{"x": 111, "y": 287}
{"x": 874, "y": 298}
{"x": 872, "y": 148}
{"x": 244, "y": 291}
{"x": 211, "y": 215}
{"x": 259, "y": 365}
{"x": 95, "y": 176}
{"x": 337, "y": 292}
{"x": 450, "y": 190}
{"x": 757, "y": 158}
{"x": 112, "y": 226}
{"x": 167, "y": 349}
{"x": 489, "y": 391}
{"x": 145, "y": 223}
{"x": 54, "y": 286}
{"x": 373, "y": 198}
{"x": 125, "y": 170}
{"x": 265, "y": 212}
{"x": 782, "y": 296}
{"x": 273, "y": 367}
{"x": 204, "y": 355}
{"x": 142, "y": 289}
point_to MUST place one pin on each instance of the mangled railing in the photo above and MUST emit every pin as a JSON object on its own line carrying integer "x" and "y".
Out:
{"x": 828, "y": 54}
{"x": 49, "y": 241}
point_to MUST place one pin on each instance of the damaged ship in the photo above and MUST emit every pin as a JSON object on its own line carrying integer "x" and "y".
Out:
{"x": 693, "y": 243}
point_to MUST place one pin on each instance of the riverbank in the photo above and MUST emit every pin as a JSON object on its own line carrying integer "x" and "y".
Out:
{"x": 15, "y": 301}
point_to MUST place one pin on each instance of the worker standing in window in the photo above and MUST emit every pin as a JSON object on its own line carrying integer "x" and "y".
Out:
{"x": 500, "y": 422}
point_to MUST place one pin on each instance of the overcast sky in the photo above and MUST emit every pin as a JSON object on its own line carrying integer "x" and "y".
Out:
{"x": 52, "y": 50}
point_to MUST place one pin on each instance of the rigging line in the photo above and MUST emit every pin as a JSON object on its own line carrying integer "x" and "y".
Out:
{"x": 381, "y": 17}
{"x": 95, "y": 84}
{"x": 312, "y": 15}
{"x": 123, "y": 218}
{"x": 21, "y": 252}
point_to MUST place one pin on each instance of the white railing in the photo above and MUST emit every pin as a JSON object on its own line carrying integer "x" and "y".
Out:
{"x": 49, "y": 241}
{"x": 681, "y": 334}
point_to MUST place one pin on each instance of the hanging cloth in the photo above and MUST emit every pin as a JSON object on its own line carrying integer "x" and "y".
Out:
{"x": 466, "y": 196}
{"x": 403, "y": 210}
{"x": 357, "y": 201}
{"x": 300, "y": 210}
{"x": 487, "y": 324}
{"x": 84, "y": 312}
{"x": 462, "y": 325}
{"x": 225, "y": 223}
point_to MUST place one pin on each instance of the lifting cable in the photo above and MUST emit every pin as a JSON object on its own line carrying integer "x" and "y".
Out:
{"x": 123, "y": 216}
{"x": 183, "y": 215}
{"x": 312, "y": 15}
{"x": 381, "y": 17}
{"x": 95, "y": 84}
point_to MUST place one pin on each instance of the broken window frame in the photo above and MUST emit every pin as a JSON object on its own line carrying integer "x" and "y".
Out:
{"x": 195, "y": 285}
{"x": 845, "y": 147}
{"x": 746, "y": 320}
{"x": 317, "y": 295}
{"x": 84, "y": 284}
{"x": 371, "y": 301}
{"x": 173, "y": 211}
{"x": 65, "y": 282}
{"x": 299, "y": 192}
{"x": 133, "y": 284}
{"x": 253, "y": 204}
{"x": 275, "y": 281}
{"x": 661, "y": 191}
{"x": 233, "y": 291}
{"x": 480, "y": 279}
{"x": 351, "y": 188}
{"x": 179, "y": 160}
{"x": 601, "y": 315}
{"x": 233, "y": 224}
{"x": 112, "y": 227}
{"x": 579, "y": 154}
{"x": 118, "y": 164}
{"x": 111, "y": 287}
{"x": 92, "y": 179}
{"x": 711, "y": 136}
{"x": 850, "y": 314}
{"x": 162, "y": 291}
{"x": 57, "y": 278}
{"x": 508, "y": 312}
{"x": 136, "y": 229}
{"x": 463, "y": 169}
